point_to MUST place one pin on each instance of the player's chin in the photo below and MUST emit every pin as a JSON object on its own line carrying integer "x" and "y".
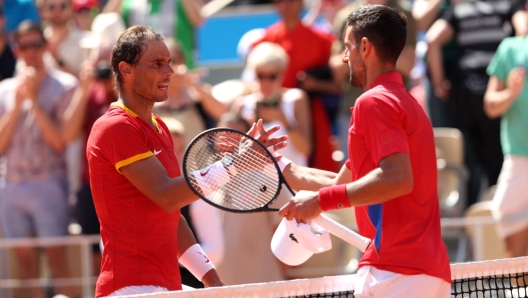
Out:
{"x": 161, "y": 96}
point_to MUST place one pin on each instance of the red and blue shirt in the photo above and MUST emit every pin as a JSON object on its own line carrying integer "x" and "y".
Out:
{"x": 405, "y": 231}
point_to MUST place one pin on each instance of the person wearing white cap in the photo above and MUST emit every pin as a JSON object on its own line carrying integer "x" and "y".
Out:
{"x": 390, "y": 177}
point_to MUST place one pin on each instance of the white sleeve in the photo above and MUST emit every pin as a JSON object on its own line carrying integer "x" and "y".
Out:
{"x": 207, "y": 224}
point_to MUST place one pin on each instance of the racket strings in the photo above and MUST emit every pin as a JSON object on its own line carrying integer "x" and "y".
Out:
{"x": 257, "y": 181}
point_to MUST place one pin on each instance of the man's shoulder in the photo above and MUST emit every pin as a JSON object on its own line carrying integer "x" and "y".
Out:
{"x": 512, "y": 42}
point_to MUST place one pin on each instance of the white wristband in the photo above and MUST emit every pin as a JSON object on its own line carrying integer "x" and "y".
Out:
{"x": 195, "y": 260}
{"x": 212, "y": 178}
{"x": 283, "y": 162}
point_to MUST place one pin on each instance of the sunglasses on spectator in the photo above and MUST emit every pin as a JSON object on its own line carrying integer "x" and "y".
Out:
{"x": 61, "y": 6}
{"x": 31, "y": 45}
{"x": 270, "y": 77}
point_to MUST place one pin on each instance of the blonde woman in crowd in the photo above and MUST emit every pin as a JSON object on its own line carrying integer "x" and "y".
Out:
{"x": 276, "y": 105}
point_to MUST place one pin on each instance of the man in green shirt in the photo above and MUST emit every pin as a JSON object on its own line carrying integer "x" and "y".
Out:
{"x": 507, "y": 97}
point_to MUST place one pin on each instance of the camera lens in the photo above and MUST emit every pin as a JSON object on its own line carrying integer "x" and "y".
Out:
{"x": 103, "y": 70}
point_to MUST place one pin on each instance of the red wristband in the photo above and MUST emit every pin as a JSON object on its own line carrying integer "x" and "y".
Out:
{"x": 333, "y": 197}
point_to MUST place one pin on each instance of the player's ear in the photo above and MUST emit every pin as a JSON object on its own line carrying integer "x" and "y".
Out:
{"x": 366, "y": 47}
{"x": 125, "y": 69}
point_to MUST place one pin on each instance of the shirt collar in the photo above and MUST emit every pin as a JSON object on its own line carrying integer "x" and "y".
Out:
{"x": 392, "y": 77}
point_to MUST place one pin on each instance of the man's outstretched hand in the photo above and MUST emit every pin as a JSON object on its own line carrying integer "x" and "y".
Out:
{"x": 303, "y": 207}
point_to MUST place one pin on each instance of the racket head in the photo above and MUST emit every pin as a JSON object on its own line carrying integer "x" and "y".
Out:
{"x": 248, "y": 191}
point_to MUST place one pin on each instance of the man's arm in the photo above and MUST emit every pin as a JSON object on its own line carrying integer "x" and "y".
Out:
{"x": 150, "y": 177}
{"x": 440, "y": 33}
{"x": 304, "y": 178}
{"x": 113, "y": 6}
{"x": 192, "y": 11}
{"x": 170, "y": 194}
{"x": 393, "y": 178}
{"x": 500, "y": 95}
{"x": 9, "y": 120}
{"x": 75, "y": 114}
{"x": 185, "y": 240}
{"x": 425, "y": 12}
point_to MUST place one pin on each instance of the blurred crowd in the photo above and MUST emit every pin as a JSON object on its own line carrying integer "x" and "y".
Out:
{"x": 56, "y": 81}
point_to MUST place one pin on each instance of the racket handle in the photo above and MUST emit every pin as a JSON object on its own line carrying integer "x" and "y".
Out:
{"x": 342, "y": 232}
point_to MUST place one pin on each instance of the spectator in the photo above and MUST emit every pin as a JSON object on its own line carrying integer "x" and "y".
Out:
{"x": 349, "y": 93}
{"x": 63, "y": 35}
{"x": 18, "y": 11}
{"x": 441, "y": 109}
{"x": 468, "y": 23}
{"x": 34, "y": 193}
{"x": 276, "y": 105}
{"x": 295, "y": 38}
{"x": 507, "y": 97}
{"x": 309, "y": 51}
{"x": 84, "y": 13}
{"x": 248, "y": 236}
{"x": 176, "y": 18}
{"x": 189, "y": 100}
{"x": 7, "y": 59}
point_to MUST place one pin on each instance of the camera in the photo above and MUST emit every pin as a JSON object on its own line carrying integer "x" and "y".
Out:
{"x": 103, "y": 71}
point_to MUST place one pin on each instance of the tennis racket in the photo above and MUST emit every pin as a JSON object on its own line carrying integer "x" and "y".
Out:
{"x": 234, "y": 172}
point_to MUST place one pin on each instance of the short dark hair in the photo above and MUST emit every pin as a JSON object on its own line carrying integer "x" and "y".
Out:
{"x": 129, "y": 47}
{"x": 385, "y": 27}
{"x": 26, "y": 27}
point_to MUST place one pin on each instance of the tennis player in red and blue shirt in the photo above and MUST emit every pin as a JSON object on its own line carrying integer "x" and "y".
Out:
{"x": 391, "y": 175}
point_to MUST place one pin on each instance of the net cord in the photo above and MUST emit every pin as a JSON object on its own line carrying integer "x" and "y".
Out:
{"x": 341, "y": 283}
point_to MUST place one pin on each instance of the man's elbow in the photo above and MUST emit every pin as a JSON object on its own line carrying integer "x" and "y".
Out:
{"x": 489, "y": 110}
{"x": 166, "y": 202}
{"x": 404, "y": 183}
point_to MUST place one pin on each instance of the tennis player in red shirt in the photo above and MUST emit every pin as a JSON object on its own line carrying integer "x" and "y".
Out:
{"x": 390, "y": 177}
{"x": 135, "y": 177}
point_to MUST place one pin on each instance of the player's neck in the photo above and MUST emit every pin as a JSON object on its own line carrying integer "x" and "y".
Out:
{"x": 140, "y": 106}
{"x": 374, "y": 72}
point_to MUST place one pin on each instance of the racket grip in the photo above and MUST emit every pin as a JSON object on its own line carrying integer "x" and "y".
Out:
{"x": 342, "y": 232}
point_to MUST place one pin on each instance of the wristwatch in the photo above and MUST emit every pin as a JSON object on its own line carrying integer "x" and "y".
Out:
{"x": 229, "y": 163}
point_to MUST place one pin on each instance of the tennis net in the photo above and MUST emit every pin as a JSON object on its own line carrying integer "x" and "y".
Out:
{"x": 504, "y": 278}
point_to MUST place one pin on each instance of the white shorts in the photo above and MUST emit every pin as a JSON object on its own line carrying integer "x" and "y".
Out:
{"x": 133, "y": 290}
{"x": 511, "y": 197}
{"x": 371, "y": 282}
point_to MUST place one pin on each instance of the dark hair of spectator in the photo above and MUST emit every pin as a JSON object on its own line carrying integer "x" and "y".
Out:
{"x": 129, "y": 47}
{"x": 26, "y": 27}
{"x": 381, "y": 25}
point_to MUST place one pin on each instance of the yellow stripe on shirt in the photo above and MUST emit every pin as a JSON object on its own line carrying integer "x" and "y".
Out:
{"x": 132, "y": 159}
{"x": 127, "y": 110}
